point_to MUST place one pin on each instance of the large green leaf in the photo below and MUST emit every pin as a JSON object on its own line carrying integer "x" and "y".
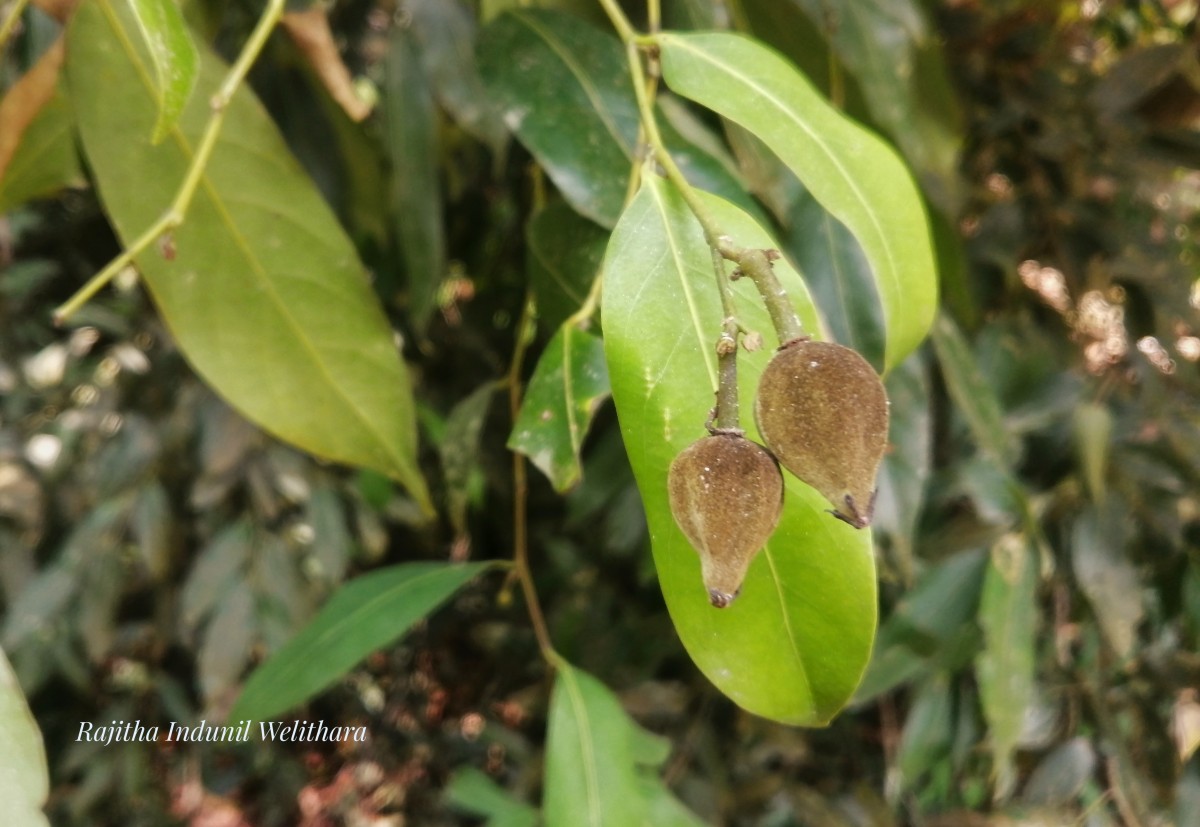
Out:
{"x": 591, "y": 777}
{"x": 176, "y": 61}
{"x": 793, "y": 646}
{"x": 567, "y": 387}
{"x": 475, "y": 792}
{"x": 24, "y": 779}
{"x": 851, "y": 172}
{"x": 366, "y": 614}
{"x": 264, "y": 293}
{"x": 564, "y": 88}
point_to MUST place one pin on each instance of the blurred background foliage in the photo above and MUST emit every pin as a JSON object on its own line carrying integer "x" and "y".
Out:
{"x": 1039, "y": 523}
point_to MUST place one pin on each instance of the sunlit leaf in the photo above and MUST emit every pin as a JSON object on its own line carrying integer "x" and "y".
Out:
{"x": 857, "y": 177}
{"x": 366, "y": 614}
{"x": 176, "y": 61}
{"x": 264, "y": 292}
{"x": 568, "y": 385}
{"x": 24, "y": 778}
{"x": 793, "y": 646}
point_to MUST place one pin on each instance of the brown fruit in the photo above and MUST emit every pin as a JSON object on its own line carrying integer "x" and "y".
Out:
{"x": 823, "y": 412}
{"x": 726, "y": 494}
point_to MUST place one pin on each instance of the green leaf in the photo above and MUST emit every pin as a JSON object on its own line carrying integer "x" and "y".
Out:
{"x": 475, "y": 792}
{"x": 568, "y": 385}
{"x": 1008, "y": 613}
{"x": 366, "y": 614}
{"x": 1093, "y": 425}
{"x": 972, "y": 393}
{"x": 24, "y": 778}
{"x": 590, "y": 775}
{"x": 900, "y": 70}
{"x": 563, "y": 87}
{"x": 459, "y": 448}
{"x": 928, "y": 732}
{"x": 565, "y": 254}
{"x": 1106, "y": 576}
{"x": 840, "y": 276}
{"x": 851, "y": 172}
{"x": 445, "y": 32}
{"x": 176, "y": 61}
{"x": 416, "y": 195}
{"x": 793, "y": 646}
{"x": 46, "y": 160}
{"x": 265, "y": 294}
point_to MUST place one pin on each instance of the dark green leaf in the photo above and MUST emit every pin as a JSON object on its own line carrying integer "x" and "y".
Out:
{"x": 565, "y": 254}
{"x": 459, "y": 448}
{"x": 1107, "y": 577}
{"x": 216, "y": 569}
{"x": 176, "y": 61}
{"x": 794, "y": 644}
{"x": 590, "y": 776}
{"x": 475, "y": 792}
{"x": 856, "y": 176}
{"x": 416, "y": 196}
{"x": 225, "y": 645}
{"x": 1093, "y": 442}
{"x": 24, "y": 778}
{"x": 366, "y": 614}
{"x": 905, "y": 468}
{"x": 265, "y": 294}
{"x": 1061, "y": 774}
{"x": 568, "y": 385}
{"x": 445, "y": 32}
{"x": 928, "y": 731}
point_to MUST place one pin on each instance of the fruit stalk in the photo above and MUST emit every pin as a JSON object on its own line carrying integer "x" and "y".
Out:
{"x": 756, "y": 265}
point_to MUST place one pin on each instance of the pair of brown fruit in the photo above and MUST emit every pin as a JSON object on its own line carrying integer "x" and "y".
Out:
{"x": 823, "y": 413}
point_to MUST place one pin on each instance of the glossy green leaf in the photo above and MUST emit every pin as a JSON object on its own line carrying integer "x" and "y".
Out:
{"x": 857, "y": 177}
{"x": 265, "y": 294}
{"x": 176, "y": 61}
{"x": 564, "y": 89}
{"x": 793, "y": 646}
{"x": 568, "y": 385}
{"x": 475, "y": 792}
{"x": 366, "y": 614}
{"x": 416, "y": 195}
{"x": 565, "y": 254}
{"x": 590, "y": 775}
{"x": 1008, "y": 613}
{"x": 46, "y": 160}
{"x": 24, "y": 778}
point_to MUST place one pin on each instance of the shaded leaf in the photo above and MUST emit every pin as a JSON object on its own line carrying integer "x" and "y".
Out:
{"x": 794, "y": 644}
{"x": 928, "y": 732}
{"x": 176, "y": 61}
{"x": 24, "y": 778}
{"x": 37, "y": 140}
{"x": 366, "y": 614}
{"x": 225, "y": 644}
{"x": 1093, "y": 426}
{"x": 459, "y": 448}
{"x": 445, "y": 32}
{"x": 1061, "y": 774}
{"x": 563, "y": 87}
{"x": 332, "y": 543}
{"x": 567, "y": 386}
{"x": 265, "y": 294}
{"x": 1107, "y": 578}
{"x": 416, "y": 195}
{"x": 852, "y": 173}
{"x": 475, "y": 792}
{"x": 590, "y": 777}
{"x": 150, "y": 523}
{"x": 565, "y": 254}
{"x": 972, "y": 393}
{"x": 217, "y": 569}
{"x": 1008, "y": 614}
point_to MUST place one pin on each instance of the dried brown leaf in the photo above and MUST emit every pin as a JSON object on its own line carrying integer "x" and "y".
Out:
{"x": 26, "y": 99}
{"x": 310, "y": 31}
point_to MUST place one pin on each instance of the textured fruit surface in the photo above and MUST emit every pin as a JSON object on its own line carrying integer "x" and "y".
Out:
{"x": 823, "y": 412}
{"x": 726, "y": 494}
